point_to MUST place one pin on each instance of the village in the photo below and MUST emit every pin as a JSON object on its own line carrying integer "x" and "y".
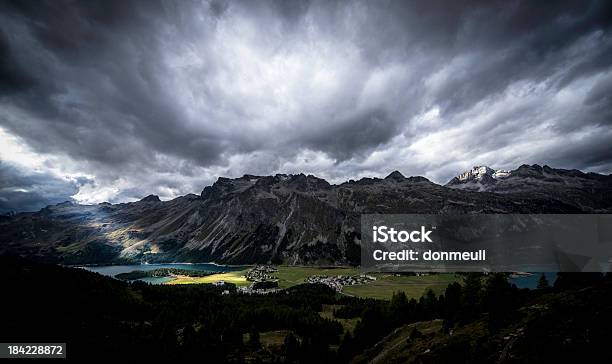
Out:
{"x": 337, "y": 282}
{"x": 261, "y": 273}
{"x": 264, "y": 280}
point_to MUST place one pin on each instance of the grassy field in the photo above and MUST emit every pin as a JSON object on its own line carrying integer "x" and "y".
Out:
{"x": 347, "y": 324}
{"x": 236, "y": 277}
{"x": 288, "y": 276}
{"x": 413, "y": 286}
{"x": 270, "y": 338}
{"x": 382, "y": 288}
{"x": 395, "y": 342}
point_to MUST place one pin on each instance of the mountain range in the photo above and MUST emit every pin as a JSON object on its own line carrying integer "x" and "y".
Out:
{"x": 290, "y": 219}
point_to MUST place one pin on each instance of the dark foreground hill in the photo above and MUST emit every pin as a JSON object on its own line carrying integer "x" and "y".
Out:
{"x": 483, "y": 320}
{"x": 293, "y": 219}
{"x": 549, "y": 326}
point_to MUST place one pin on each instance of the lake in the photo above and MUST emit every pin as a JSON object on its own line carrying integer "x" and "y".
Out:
{"x": 531, "y": 281}
{"x": 113, "y": 270}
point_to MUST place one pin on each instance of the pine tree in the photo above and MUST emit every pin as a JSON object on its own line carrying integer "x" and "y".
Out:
{"x": 543, "y": 282}
{"x": 347, "y": 348}
{"x": 471, "y": 297}
{"x": 254, "y": 339}
{"x": 291, "y": 348}
{"x": 452, "y": 305}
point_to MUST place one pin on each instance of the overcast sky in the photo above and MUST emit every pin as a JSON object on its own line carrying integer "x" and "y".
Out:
{"x": 112, "y": 101}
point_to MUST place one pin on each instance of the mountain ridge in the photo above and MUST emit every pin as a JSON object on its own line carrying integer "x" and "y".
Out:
{"x": 291, "y": 219}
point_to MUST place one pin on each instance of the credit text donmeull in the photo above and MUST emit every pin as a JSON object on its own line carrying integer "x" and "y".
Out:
{"x": 383, "y": 234}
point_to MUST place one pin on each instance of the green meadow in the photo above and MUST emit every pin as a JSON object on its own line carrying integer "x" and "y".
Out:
{"x": 383, "y": 288}
{"x": 236, "y": 277}
{"x": 413, "y": 286}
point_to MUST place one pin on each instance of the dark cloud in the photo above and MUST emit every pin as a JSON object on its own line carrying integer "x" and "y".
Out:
{"x": 176, "y": 93}
{"x": 14, "y": 78}
{"x": 30, "y": 191}
{"x": 344, "y": 138}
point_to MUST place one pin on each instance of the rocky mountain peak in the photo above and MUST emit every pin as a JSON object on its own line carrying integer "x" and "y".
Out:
{"x": 395, "y": 176}
{"x": 225, "y": 186}
{"x": 534, "y": 170}
{"x": 302, "y": 182}
{"x": 294, "y": 219}
{"x": 417, "y": 179}
{"x": 529, "y": 178}
{"x": 151, "y": 198}
{"x": 479, "y": 178}
{"x": 477, "y": 173}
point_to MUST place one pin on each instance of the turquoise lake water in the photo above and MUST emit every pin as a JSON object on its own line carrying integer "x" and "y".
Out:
{"x": 112, "y": 270}
{"x": 531, "y": 281}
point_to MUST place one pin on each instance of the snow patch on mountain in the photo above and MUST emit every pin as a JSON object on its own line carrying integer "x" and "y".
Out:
{"x": 479, "y": 178}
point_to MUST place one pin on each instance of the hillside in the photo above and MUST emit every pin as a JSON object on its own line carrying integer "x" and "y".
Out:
{"x": 484, "y": 319}
{"x": 291, "y": 219}
{"x": 567, "y": 326}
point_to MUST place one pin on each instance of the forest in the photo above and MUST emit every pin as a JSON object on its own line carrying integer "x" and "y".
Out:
{"x": 101, "y": 317}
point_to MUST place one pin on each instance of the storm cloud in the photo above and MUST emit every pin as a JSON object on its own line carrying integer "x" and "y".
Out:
{"x": 140, "y": 97}
{"x": 30, "y": 191}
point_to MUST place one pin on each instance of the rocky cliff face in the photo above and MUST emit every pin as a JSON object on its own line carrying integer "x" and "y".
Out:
{"x": 294, "y": 219}
{"x": 479, "y": 178}
{"x": 588, "y": 192}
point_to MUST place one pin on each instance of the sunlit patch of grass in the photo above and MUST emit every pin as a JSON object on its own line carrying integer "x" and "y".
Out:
{"x": 117, "y": 234}
{"x": 236, "y": 278}
{"x": 270, "y": 339}
{"x": 69, "y": 249}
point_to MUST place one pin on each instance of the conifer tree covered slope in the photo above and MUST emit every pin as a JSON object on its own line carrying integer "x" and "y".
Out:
{"x": 294, "y": 219}
{"x": 488, "y": 320}
{"x": 483, "y": 320}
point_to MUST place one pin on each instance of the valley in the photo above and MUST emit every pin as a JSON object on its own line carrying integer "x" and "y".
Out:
{"x": 383, "y": 286}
